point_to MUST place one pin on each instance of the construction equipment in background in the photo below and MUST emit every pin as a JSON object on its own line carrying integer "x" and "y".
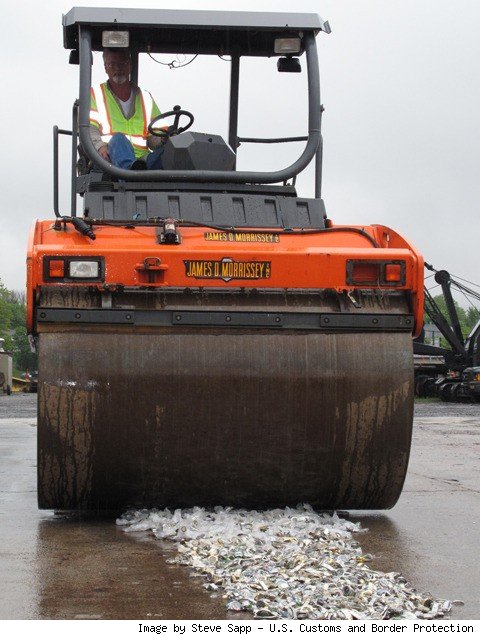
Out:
{"x": 207, "y": 336}
{"x": 5, "y": 369}
{"x": 458, "y": 377}
{"x": 31, "y": 378}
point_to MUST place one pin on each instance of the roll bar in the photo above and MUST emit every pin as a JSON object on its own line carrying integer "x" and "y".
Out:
{"x": 203, "y": 176}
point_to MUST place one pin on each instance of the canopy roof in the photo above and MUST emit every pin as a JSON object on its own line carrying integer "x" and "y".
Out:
{"x": 178, "y": 31}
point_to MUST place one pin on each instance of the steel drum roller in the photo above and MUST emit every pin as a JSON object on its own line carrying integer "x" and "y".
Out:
{"x": 237, "y": 417}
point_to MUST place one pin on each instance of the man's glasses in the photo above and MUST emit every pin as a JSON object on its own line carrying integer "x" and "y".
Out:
{"x": 117, "y": 64}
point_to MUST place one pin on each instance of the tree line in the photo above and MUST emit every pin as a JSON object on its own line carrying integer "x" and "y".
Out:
{"x": 13, "y": 329}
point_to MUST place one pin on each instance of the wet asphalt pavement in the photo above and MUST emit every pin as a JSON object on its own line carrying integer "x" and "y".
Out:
{"x": 57, "y": 567}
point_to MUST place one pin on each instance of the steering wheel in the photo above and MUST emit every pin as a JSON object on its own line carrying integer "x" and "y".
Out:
{"x": 174, "y": 129}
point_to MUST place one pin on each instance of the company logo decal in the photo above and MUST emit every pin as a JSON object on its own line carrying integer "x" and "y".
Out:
{"x": 242, "y": 237}
{"x": 227, "y": 269}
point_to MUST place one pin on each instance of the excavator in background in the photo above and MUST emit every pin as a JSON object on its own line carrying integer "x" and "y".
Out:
{"x": 458, "y": 376}
{"x": 206, "y": 335}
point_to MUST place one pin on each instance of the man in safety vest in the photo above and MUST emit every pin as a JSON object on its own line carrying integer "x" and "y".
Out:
{"x": 119, "y": 116}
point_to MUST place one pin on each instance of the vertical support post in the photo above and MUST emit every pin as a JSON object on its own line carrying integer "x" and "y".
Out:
{"x": 73, "y": 204}
{"x": 319, "y": 160}
{"x": 134, "y": 76}
{"x": 318, "y": 169}
{"x": 55, "y": 171}
{"x": 234, "y": 89}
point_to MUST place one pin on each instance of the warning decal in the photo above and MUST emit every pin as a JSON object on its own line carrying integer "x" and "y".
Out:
{"x": 227, "y": 269}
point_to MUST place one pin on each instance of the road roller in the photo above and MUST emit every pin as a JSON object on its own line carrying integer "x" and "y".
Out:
{"x": 207, "y": 335}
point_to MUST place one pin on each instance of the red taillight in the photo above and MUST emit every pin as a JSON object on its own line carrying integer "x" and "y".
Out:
{"x": 364, "y": 272}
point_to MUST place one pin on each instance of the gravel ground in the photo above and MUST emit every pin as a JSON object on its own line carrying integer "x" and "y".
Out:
{"x": 19, "y": 405}
{"x": 426, "y": 408}
{"x": 24, "y": 405}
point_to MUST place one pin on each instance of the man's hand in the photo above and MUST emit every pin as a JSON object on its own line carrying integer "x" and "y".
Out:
{"x": 103, "y": 152}
{"x": 154, "y": 142}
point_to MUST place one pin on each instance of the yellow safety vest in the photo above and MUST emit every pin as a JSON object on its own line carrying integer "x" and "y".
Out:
{"x": 107, "y": 115}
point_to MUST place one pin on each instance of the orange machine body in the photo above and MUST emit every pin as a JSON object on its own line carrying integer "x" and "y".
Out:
{"x": 339, "y": 258}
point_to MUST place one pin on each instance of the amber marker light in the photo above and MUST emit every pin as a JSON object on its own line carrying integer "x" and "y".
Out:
{"x": 393, "y": 273}
{"x": 56, "y": 268}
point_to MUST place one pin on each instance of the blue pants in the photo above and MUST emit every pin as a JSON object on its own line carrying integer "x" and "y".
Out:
{"x": 122, "y": 155}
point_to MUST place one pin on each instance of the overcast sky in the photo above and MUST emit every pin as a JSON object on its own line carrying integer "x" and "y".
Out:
{"x": 401, "y": 88}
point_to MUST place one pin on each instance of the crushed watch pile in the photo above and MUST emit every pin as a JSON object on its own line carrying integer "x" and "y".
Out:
{"x": 285, "y": 563}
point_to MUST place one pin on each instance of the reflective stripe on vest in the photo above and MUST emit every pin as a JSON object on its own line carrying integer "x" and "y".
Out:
{"x": 102, "y": 117}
